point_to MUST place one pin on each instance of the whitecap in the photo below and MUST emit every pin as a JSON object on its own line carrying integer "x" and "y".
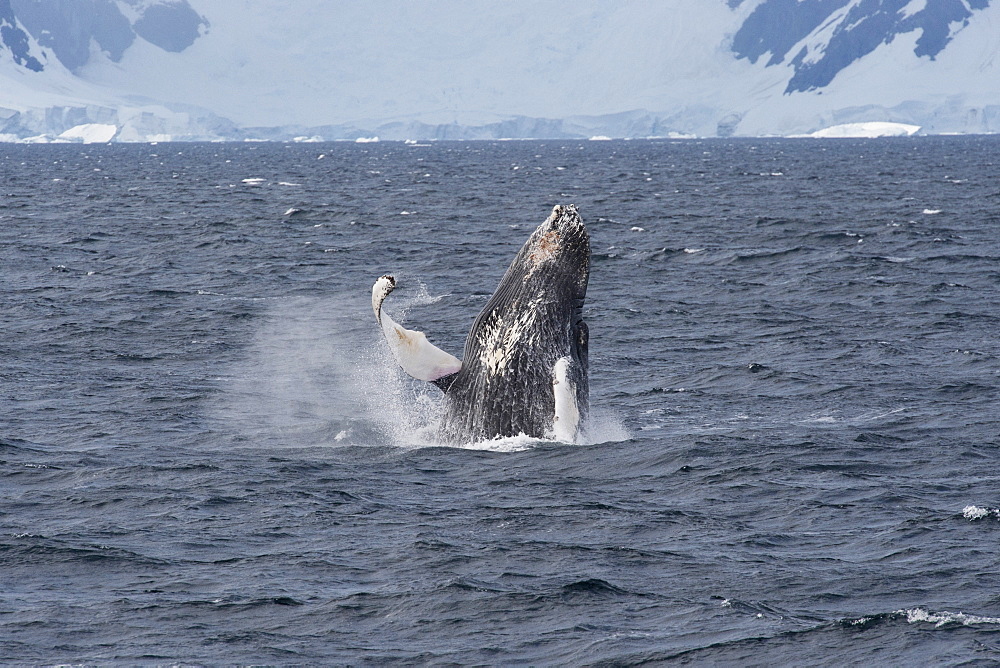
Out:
{"x": 931, "y": 212}
{"x": 939, "y": 619}
{"x": 971, "y": 512}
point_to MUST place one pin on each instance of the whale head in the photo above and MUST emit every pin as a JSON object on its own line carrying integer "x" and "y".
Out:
{"x": 557, "y": 254}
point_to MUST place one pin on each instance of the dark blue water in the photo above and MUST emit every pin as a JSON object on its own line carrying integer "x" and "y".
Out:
{"x": 206, "y": 456}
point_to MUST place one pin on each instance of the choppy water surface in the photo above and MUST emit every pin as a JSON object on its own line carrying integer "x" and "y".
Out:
{"x": 206, "y": 457}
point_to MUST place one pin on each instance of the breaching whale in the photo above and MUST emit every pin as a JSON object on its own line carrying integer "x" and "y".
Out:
{"x": 524, "y": 369}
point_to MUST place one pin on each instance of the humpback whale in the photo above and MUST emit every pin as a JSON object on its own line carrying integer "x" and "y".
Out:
{"x": 524, "y": 369}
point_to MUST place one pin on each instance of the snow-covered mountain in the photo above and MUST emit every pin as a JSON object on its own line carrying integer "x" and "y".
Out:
{"x": 828, "y": 36}
{"x": 398, "y": 69}
{"x": 46, "y": 44}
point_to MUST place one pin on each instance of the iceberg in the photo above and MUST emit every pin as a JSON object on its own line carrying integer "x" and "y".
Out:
{"x": 91, "y": 133}
{"x": 869, "y": 129}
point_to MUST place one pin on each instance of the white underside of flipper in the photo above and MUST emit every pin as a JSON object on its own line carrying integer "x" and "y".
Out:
{"x": 566, "y": 420}
{"x": 415, "y": 354}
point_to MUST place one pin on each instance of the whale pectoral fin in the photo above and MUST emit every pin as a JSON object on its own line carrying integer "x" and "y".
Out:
{"x": 415, "y": 354}
{"x": 566, "y": 420}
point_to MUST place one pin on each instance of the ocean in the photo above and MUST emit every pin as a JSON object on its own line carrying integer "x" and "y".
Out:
{"x": 207, "y": 455}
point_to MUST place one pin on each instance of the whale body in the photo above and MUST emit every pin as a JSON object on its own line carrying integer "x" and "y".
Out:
{"x": 525, "y": 366}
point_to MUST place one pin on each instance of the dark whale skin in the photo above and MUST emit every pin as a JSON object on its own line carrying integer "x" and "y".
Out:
{"x": 505, "y": 385}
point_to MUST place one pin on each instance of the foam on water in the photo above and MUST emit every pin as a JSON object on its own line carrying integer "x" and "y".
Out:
{"x": 939, "y": 619}
{"x": 506, "y": 444}
{"x": 978, "y": 512}
{"x": 602, "y": 427}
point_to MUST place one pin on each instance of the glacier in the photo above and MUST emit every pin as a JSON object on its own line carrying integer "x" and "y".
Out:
{"x": 211, "y": 70}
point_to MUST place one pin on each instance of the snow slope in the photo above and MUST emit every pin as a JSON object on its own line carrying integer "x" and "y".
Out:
{"x": 441, "y": 62}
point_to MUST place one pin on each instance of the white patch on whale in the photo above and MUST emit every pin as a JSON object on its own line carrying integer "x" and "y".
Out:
{"x": 498, "y": 340}
{"x": 566, "y": 420}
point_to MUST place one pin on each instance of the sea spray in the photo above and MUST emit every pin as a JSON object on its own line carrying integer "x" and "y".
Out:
{"x": 312, "y": 376}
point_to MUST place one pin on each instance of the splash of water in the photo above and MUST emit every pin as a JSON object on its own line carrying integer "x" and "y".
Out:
{"x": 318, "y": 374}
{"x": 312, "y": 376}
